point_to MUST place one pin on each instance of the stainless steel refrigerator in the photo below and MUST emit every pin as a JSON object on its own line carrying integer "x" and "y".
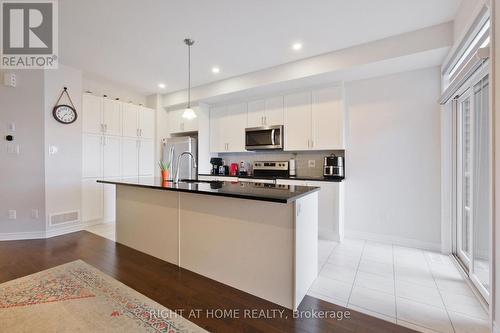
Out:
{"x": 172, "y": 148}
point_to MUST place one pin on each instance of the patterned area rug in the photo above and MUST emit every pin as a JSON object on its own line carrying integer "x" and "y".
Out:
{"x": 76, "y": 297}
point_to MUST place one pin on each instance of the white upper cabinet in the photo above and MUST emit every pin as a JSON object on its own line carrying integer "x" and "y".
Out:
{"x": 178, "y": 124}
{"x": 298, "y": 121}
{"x": 234, "y": 129}
{"x": 314, "y": 120}
{"x": 111, "y": 116}
{"x": 217, "y": 119}
{"x": 92, "y": 114}
{"x": 138, "y": 121}
{"x": 256, "y": 113}
{"x": 265, "y": 112}
{"x": 227, "y": 128}
{"x": 130, "y": 120}
{"x": 327, "y": 119}
{"x": 274, "y": 111}
{"x": 146, "y": 122}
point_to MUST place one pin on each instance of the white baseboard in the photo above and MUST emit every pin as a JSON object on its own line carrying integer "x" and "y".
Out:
{"x": 393, "y": 240}
{"x": 496, "y": 328}
{"x": 7, "y": 236}
{"x": 51, "y": 232}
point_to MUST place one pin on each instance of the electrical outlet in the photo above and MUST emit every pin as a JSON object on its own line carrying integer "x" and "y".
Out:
{"x": 12, "y": 214}
{"x": 34, "y": 213}
{"x": 9, "y": 80}
{"x": 311, "y": 163}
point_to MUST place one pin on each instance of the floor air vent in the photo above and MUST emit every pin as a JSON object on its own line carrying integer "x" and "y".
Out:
{"x": 62, "y": 218}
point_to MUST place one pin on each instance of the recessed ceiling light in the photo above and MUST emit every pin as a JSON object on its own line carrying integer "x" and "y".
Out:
{"x": 215, "y": 70}
{"x": 162, "y": 85}
{"x": 297, "y": 46}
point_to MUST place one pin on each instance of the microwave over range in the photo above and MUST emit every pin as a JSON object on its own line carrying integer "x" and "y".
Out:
{"x": 261, "y": 138}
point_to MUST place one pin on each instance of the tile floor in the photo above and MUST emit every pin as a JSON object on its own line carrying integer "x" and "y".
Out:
{"x": 106, "y": 230}
{"x": 418, "y": 289}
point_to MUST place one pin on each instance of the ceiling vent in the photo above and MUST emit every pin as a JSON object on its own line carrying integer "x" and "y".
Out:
{"x": 63, "y": 218}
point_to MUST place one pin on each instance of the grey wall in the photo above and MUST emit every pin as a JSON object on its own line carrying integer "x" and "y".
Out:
{"x": 63, "y": 171}
{"x": 22, "y": 176}
{"x": 393, "y": 157}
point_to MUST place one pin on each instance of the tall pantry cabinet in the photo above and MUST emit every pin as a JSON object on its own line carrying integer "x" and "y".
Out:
{"x": 118, "y": 141}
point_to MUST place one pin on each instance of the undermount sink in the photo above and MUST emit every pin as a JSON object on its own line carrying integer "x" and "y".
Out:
{"x": 197, "y": 181}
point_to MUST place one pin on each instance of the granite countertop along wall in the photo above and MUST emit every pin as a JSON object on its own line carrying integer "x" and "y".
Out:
{"x": 302, "y": 160}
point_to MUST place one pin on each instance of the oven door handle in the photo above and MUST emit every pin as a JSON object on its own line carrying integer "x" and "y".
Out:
{"x": 272, "y": 137}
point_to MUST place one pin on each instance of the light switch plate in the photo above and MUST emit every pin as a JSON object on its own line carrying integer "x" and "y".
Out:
{"x": 12, "y": 214}
{"x": 13, "y": 149}
{"x": 312, "y": 163}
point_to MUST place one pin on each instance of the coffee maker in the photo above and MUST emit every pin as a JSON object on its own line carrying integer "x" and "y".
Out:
{"x": 333, "y": 166}
{"x": 216, "y": 163}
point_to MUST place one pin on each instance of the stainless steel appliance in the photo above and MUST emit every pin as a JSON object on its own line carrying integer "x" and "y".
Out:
{"x": 271, "y": 169}
{"x": 173, "y": 148}
{"x": 262, "y": 138}
{"x": 333, "y": 166}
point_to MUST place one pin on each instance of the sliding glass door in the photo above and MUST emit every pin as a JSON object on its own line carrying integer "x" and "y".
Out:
{"x": 473, "y": 181}
{"x": 464, "y": 195}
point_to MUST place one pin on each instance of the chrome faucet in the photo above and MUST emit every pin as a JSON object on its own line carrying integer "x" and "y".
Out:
{"x": 195, "y": 166}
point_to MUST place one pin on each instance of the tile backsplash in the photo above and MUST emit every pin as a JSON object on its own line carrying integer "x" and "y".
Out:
{"x": 302, "y": 159}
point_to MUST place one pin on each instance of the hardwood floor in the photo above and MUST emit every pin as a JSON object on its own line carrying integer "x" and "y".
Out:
{"x": 176, "y": 288}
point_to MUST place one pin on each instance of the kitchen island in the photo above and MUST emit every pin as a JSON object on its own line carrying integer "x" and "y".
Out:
{"x": 258, "y": 238}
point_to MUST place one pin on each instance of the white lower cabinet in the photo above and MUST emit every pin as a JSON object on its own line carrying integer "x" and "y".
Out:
{"x": 92, "y": 155}
{"x": 109, "y": 202}
{"x": 111, "y": 156}
{"x": 130, "y": 157}
{"x": 146, "y": 158}
{"x": 92, "y": 200}
{"x": 330, "y": 215}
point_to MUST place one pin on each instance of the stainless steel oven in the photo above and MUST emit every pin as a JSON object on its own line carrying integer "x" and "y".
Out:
{"x": 260, "y": 138}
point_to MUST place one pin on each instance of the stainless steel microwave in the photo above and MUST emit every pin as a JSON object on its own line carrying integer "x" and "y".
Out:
{"x": 261, "y": 138}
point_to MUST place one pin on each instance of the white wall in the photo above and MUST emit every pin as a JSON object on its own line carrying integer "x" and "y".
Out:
{"x": 495, "y": 306}
{"x": 393, "y": 159}
{"x": 100, "y": 86}
{"x": 34, "y": 179}
{"x": 63, "y": 171}
{"x": 22, "y": 176}
{"x": 465, "y": 16}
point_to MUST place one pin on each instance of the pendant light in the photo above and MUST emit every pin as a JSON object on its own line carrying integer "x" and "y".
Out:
{"x": 188, "y": 112}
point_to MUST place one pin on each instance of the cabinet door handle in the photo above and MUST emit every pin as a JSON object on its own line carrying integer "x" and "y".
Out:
{"x": 182, "y": 126}
{"x": 140, "y": 132}
{"x": 312, "y": 143}
{"x": 265, "y": 120}
{"x": 102, "y": 127}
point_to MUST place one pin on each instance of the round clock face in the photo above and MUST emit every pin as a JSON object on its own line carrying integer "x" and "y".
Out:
{"x": 64, "y": 114}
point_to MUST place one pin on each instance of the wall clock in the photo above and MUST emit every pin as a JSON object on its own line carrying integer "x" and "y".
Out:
{"x": 64, "y": 113}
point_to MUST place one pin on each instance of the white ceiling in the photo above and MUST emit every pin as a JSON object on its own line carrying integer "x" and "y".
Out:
{"x": 140, "y": 42}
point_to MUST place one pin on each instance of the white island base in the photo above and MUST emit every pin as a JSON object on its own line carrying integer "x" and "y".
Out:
{"x": 264, "y": 248}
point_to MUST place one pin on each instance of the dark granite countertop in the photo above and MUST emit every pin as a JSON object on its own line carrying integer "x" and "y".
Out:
{"x": 305, "y": 178}
{"x": 242, "y": 190}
